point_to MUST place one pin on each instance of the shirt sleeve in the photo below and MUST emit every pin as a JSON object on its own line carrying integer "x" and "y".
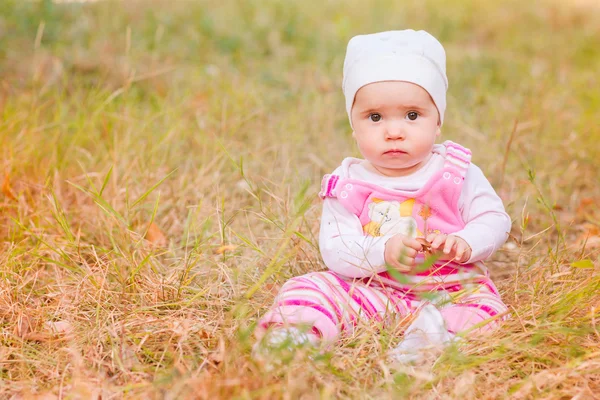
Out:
{"x": 345, "y": 249}
{"x": 487, "y": 223}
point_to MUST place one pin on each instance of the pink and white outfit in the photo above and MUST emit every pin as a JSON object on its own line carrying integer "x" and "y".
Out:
{"x": 362, "y": 210}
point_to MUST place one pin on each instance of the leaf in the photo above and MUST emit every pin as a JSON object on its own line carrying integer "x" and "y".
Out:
{"x": 397, "y": 275}
{"x": 425, "y": 212}
{"x": 249, "y": 243}
{"x": 155, "y": 235}
{"x": 6, "y": 187}
{"x": 105, "y": 181}
{"x": 59, "y": 327}
{"x": 425, "y": 244}
{"x": 103, "y": 204}
{"x": 590, "y": 237}
{"x": 584, "y": 264}
{"x": 280, "y": 257}
{"x": 585, "y": 204}
{"x": 301, "y": 236}
{"x": 142, "y": 197}
{"x": 224, "y": 248}
{"x": 23, "y": 327}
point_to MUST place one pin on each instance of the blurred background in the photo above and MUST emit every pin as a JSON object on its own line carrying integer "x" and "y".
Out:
{"x": 231, "y": 69}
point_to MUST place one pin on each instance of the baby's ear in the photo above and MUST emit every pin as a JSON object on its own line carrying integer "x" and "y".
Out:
{"x": 438, "y": 130}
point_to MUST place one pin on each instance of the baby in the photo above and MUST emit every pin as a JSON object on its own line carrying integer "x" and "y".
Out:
{"x": 383, "y": 214}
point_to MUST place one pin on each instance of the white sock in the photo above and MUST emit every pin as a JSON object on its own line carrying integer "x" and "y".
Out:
{"x": 291, "y": 334}
{"x": 269, "y": 350}
{"x": 427, "y": 330}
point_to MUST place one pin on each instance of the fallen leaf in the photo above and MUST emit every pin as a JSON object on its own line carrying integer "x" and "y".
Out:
{"x": 38, "y": 337}
{"x": 6, "y": 187}
{"x": 25, "y": 330}
{"x": 59, "y": 326}
{"x": 271, "y": 287}
{"x": 224, "y": 248}
{"x": 155, "y": 235}
{"x": 23, "y": 327}
{"x": 204, "y": 335}
{"x": 586, "y": 202}
{"x": 590, "y": 237}
{"x": 584, "y": 264}
{"x": 585, "y": 207}
{"x": 218, "y": 355}
{"x": 182, "y": 327}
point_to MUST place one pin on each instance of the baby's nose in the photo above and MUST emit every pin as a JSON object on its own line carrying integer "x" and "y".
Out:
{"x": 396, "y": 131}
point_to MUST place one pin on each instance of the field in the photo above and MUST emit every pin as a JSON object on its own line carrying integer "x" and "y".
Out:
{"x": 159, "y": 166}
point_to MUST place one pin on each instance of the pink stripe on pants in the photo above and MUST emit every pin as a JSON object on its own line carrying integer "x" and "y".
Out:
{"x": 328, "y": 304}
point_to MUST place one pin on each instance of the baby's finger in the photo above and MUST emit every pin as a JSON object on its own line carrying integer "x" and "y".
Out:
{"x": 438, "y": 241}
{"x": 403, "y": 267}
{"x": 431, "y": 236}
{"x": 409, "y": 252}
{"x": 412, "y": 244}
{"x": 460, "y": 251}
{"x": 393, "y": 264}
{"x": 450, "y": 242}
{"x": 406, "y": 259}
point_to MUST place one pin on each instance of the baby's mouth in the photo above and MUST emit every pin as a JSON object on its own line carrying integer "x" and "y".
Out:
{"x": 395, "y": 151}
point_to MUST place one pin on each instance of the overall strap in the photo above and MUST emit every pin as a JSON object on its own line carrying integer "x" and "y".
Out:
{"x": 350, "y": 193}
{"x": 328, "y": 186}
{"x": 457, "y": 157}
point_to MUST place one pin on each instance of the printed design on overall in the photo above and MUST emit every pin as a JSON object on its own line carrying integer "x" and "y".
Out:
{"x": 396, "y": 217}
{"x": 391, "y": 217}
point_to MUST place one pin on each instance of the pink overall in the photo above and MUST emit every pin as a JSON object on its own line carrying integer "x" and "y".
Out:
{"x": 331, "y": 304}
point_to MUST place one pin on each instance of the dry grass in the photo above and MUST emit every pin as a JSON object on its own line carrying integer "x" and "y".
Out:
{"x": 160, "y": 163}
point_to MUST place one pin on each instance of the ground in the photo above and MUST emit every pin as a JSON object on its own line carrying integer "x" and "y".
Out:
{"x": 160, "y": 163}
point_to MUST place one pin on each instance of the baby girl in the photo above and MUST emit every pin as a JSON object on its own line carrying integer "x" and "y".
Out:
{"x": 405, "y": 229}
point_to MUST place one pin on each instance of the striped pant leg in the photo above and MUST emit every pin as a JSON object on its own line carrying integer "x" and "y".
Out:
{"x": 330, "y": 306}
{"x": 477, "y": 303}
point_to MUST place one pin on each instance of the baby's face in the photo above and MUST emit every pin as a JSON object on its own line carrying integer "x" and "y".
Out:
{"x": 395, "y": 126}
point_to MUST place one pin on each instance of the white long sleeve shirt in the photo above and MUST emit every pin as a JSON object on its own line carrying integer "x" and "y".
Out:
{"x": 347, "y": 251}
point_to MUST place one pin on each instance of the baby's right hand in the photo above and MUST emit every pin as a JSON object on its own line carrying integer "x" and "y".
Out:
{"x": 400, "y": 252}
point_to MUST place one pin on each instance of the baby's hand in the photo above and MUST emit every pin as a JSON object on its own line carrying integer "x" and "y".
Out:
{"x": 400, "y": 252}
{"x": 452, "y": 247}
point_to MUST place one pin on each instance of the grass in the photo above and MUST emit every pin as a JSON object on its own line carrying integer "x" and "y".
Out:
{"x": 160, "y": 163}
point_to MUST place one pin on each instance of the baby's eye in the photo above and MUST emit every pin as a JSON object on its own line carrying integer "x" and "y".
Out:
{"x": 412, "y": 115}
{"x": 375, "y": 117}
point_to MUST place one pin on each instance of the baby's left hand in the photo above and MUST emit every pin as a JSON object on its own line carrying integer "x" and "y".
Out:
{"x": 452, "y": 247}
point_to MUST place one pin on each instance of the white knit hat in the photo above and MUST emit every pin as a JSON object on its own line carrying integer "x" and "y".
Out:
{"x": 408, "y": 55}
